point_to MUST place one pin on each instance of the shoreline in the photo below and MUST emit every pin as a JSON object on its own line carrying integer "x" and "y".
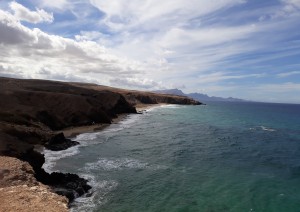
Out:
{"x": 144, "y": 107}
{"x": 39, "y": 113}
{"x": 72, "y": 132}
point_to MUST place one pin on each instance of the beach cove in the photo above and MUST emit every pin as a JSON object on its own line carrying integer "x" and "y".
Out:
{"x": 37, "y": 111}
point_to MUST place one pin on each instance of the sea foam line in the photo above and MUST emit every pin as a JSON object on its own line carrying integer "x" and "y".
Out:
{"x": 97, "y": 195}
{"x": 262, "y": 128}
{"x": 51, "y": 157}
{"x": 267, "y": 129}
{"x": 86, "y": 139}
{"x": 111, "y": 164}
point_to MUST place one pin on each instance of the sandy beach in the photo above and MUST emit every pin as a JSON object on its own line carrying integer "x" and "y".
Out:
{"x": 74, "y": 131}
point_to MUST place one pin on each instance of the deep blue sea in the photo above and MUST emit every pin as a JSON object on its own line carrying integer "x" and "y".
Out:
{"x": 217, "y": 157}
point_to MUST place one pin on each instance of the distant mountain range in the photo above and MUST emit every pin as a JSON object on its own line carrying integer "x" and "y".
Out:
{"x": 199, "y": 96}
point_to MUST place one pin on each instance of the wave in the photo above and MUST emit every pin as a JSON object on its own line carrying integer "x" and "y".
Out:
{"x": 129, "y": 121}
{"x": 163, "y": 106}
{"x": 173, "y": 106}
{"x": 267, "y": 129}
{"x": 262, "y": 128}
{"x": 120, "y": 164}
{"x": 87, "y": 139}
{"x": 96, "y": 196}
{"x": 51, "y": 157}
{"x": 117, "y": 164}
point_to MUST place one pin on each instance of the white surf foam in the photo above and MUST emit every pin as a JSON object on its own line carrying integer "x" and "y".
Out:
{"x": 163, "y": 106}
{"x": 118, "y": 164}
{"x": 51, "y": 157}
{"x": 172, "y": 106}
{"x": 87, "y": 139}
{"x": 96, "y": 196}
{"x": 267, "y": 129}
{"x": 262, "y": 128}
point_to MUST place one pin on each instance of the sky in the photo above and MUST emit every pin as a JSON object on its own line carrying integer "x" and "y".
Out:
{"x": 248, "y": 49}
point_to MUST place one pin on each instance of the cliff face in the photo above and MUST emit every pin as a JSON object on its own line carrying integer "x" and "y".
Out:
{"x": 143, "y": 97}
{"x": 57, "y": 105}
{"x": 153, "y": 98}
{"x": 20, "y": 191}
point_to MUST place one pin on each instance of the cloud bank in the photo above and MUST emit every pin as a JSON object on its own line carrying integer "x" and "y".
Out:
{"x": 24, "y": 14}
{"x": 224, "y": 47}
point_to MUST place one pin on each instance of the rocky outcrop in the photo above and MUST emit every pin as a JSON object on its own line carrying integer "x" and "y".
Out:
{"x": 69, "y": 185}
{"x": 20, "y": 191}
{"x": 66, "y": 184}
{"x": 58, "y": 142}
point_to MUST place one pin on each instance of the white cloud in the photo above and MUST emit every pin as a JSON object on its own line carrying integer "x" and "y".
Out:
{"x": 289, "y": 8}
{"x": 151, "y": 44}
{"x": 37, "y": 54}
{"x": 277, "y": 92}
{"x": 137, "y": 83}
{"x": 56, "y": 4}
{"x": 24, "y": 14}
{"x": 136, "y": 13}
{"x": 221, "y": 76}
{"x": 280, "y": 87}
{"x": 287, "y": 74}
{"x": 205, "y": 36}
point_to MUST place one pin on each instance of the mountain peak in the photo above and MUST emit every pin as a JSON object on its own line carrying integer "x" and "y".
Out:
{"x": 198, "y": 96}
{"x": 174, "y": 91}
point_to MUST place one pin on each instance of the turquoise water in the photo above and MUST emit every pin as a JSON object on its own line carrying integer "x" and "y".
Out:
{"x": 218, "y": 157}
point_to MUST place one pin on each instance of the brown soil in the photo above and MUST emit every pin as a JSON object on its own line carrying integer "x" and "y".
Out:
{"x": 19, "y": 190}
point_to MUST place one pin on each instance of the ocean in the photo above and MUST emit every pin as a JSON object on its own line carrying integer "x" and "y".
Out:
{"x": 215, "y": 157}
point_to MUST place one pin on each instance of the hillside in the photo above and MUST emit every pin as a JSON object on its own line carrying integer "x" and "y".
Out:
{"x": 136, "y": 98}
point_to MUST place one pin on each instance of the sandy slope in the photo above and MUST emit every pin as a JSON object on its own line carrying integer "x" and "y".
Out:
{"x": 19, "y": 190}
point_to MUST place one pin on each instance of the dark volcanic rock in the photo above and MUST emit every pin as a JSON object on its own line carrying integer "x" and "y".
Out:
{"x": 69, "y": 185}
{"x": 58, "y": 142}
{"x": 34, "y": 158}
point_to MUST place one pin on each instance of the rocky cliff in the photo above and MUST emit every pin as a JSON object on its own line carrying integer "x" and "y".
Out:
{"x": 20, "y": 191}
{"x": 143, "y": 97}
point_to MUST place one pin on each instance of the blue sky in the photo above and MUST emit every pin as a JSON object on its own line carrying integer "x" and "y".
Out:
{"x": 246, "y": 49}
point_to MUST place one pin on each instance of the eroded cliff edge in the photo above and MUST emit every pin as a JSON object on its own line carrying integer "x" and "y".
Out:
{"x": 20, "y": 191}
{"x": 31, "y": 111}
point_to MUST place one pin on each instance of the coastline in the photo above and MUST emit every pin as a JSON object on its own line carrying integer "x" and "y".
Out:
{"x": 72, "y": 132}
{"x": 143, "y": 107}
{"x": 41, "y": 114}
